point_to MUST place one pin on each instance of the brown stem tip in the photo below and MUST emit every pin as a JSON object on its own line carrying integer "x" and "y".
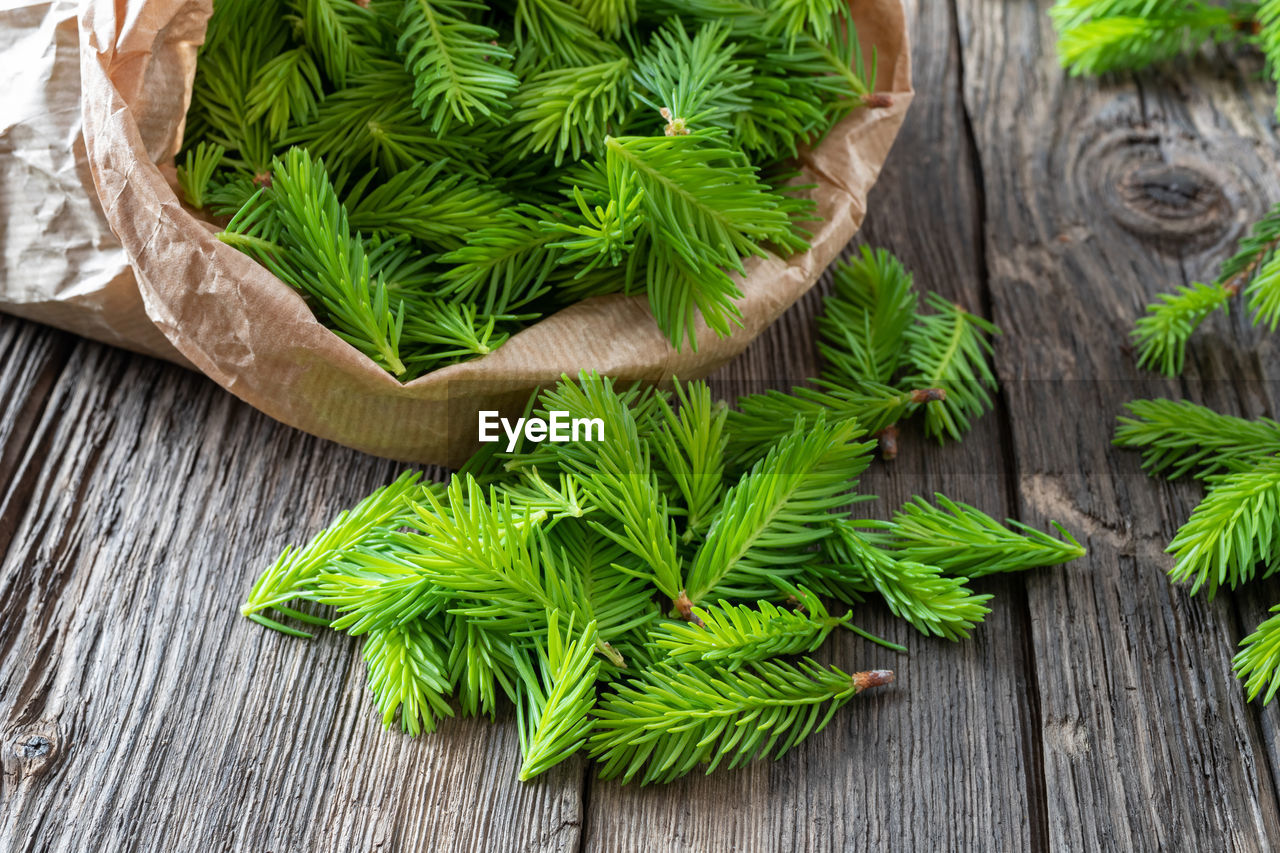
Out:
{"x": 888, "y": 438}
{"x": 262, "y": 179}
{"x": 878, "y": 101}
{"x": 685, "y": 608}
{"x": 928, "y": 395}
{"x": 872, "y": 678}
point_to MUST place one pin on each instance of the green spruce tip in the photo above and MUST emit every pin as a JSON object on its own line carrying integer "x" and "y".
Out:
{"x": 1097, "y": 36}
{"x": 505, "y": 264}
{"x": 885, "y": 359}
{"x": 671, "y": 719}
{"x": 857, "y": 562}
{"x": 297, "y": 571}
{"x": 1163, "y": 333}
{"x": 474, "y": 590}
{"x": 690, "y": 442}
{"x": 1258, "y": 660}
{"x": 762, "y": 419}
{"x": 568, "y": 112}
{"x": 949, "y": 349}
{"x": 963, "y": 541}
{"x": 777, "y": 510}
{"x": 343, "y": 36}
{"x": 862, "y": 333}
{"x": 195, "y": 174}
{"x": 299, "y": 228}
{"x": 1231, "y": 531}
{"x": 618, "y": 474}
{"x": 1266, "y": 19}
{"x": 553, "y": 712}
{"x": 288, "y": 91}
{"x": 458, "y": 67}
{"x": 1178, "y": 437}
{"x": 430, "y": 202}
{"x": 696, "y": 236}
{"x": 734, "y": 634}
{"x": 695, "y": 78}
{"x": 409, "y": 674}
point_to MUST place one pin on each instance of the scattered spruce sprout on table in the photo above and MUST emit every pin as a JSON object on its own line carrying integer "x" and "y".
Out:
{"x": 1231, "y": 536}
{"x": 652, "y": 598}
{"x": 432, "y": 175}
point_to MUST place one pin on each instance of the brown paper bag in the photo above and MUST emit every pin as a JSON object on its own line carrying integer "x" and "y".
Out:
{"x": 196, "y": 300}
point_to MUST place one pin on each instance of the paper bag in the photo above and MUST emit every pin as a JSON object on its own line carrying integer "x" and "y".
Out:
{"x": 96, "y": 241}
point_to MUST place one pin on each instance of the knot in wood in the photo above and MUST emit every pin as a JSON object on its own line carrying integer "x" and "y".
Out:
{"x": 1171, "y": 192}
{"x": 30, "y": 753}
{"x": 37, "y": 746}
{"x": 1177, "y": 205}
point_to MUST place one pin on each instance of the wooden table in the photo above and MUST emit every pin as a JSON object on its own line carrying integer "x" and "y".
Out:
{"x": 1095, "y": 709}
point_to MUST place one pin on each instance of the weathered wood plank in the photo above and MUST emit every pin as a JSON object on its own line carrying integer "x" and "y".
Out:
{"x": 1098, "y": 195}
{"x": 940, "y": 760}
{"x": 1231, "y": 364}
{"x": 136, "y": 698}
{"x": 31, "y": 358}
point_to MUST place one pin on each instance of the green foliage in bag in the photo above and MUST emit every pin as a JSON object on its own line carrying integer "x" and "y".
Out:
{"x": 432, "y": 175}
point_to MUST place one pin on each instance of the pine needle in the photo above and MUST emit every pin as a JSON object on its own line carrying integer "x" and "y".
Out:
{"x": 1231, "y": 531}
{"x": 919, "y": 593}
{"x": 962, "y": 540}
{"x": 1178, "y": 437}
{"x": 1162, "y": 334}
{"x": 675, "y": 718}
{"x": 1259, "y": 658}
{"x": 773, "y": 514}
{"x": 948, "y": 349}
{"x": 553, "y": 710}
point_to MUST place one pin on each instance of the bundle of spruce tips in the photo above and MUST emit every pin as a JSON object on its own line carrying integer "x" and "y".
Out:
{"x": 431, "y": 175}
{"x": 649, "y": 596}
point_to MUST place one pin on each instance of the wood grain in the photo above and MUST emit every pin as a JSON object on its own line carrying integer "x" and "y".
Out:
{"x": 31, "y": 358}
{"x": 1098, "y": 195}
{"x": 140, "y": 703}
